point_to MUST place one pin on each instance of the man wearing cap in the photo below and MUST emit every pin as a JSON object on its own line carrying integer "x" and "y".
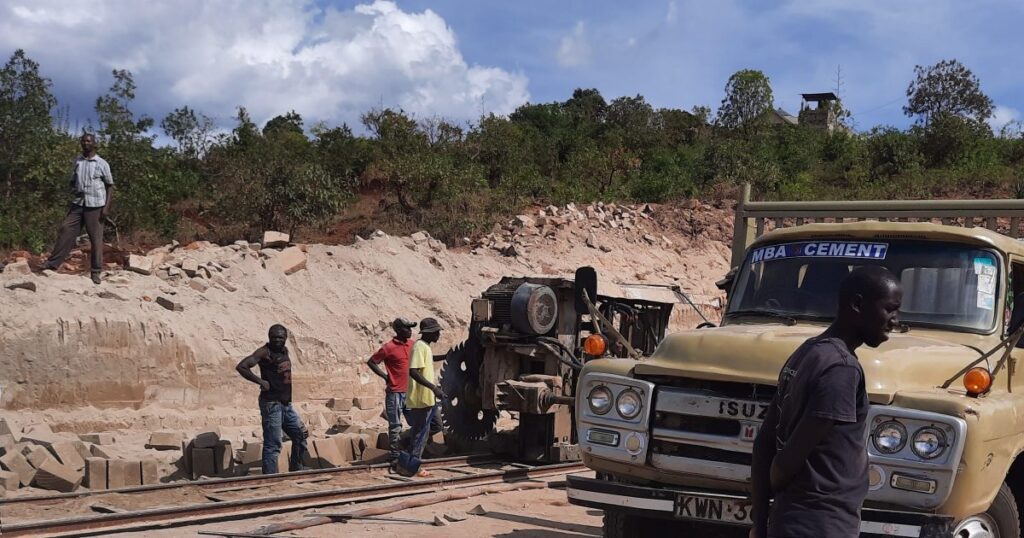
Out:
{"x": 423, "y": 393}
{"x": 395, "y": 356}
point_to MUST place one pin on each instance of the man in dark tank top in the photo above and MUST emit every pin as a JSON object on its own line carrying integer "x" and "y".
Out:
{"x": 276, "y": 410}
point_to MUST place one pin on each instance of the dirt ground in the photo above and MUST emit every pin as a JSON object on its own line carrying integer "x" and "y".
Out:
{"x": 535, "y": 513}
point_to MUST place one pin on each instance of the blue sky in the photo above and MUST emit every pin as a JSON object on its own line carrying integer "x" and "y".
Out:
{"x": 332, "y": 60}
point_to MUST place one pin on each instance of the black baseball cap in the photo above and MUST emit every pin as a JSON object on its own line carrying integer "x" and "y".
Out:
{"x": 402, "y": 323}
{"x": 429, "y": 325}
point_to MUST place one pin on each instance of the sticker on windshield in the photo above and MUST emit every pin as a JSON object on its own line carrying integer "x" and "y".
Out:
{"x": 821, "y": 249}
{"x": 986, "y": 301}
{"x": 984, "y": 266}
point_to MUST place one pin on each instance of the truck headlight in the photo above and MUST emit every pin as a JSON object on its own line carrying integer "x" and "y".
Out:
{"x": 889, "y": 437}
{"x": 600, "y": 399}
{"x": 629, "y": 404}
{"x": 929, "y": 443}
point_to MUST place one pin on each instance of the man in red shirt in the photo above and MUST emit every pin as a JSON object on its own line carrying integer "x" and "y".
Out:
{"x": 395, "y": 356}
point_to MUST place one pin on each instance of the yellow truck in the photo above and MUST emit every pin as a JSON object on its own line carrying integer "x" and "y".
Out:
{"x": 670, "y": 436}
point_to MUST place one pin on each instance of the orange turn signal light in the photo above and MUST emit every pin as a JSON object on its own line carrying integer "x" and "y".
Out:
{"x": 595, "y": 345}
{"x": 977, "y": 381}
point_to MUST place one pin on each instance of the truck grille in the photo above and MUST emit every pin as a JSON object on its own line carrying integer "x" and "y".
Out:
{"x": 706, "y": 427}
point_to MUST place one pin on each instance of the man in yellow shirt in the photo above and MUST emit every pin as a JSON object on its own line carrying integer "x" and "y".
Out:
{"x": 423, "y": 392}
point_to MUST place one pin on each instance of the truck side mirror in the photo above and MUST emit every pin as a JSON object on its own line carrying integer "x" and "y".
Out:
{"x": 585, "y": 280}
{"x": 726, "y": 283}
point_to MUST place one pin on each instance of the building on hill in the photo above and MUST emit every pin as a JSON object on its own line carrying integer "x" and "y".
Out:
{"x": 779, "y": 116}
{"x": 823, "y": 115}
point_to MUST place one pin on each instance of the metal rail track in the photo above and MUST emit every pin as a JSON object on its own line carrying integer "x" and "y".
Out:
{"x": 163, "y": 517}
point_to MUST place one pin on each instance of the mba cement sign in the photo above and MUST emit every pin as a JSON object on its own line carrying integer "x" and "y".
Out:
{"x": 821, "y": 249}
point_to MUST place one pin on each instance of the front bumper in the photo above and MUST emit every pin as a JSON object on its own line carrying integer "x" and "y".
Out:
{"x": 662, "y": 503}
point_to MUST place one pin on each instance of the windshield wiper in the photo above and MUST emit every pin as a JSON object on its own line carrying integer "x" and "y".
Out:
{"x": 786, "y": 319}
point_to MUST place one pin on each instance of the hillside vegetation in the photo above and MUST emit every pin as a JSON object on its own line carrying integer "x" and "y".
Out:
{"x": 458, "y": 180}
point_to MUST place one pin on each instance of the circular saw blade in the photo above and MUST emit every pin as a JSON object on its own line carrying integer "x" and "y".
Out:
{"x": 462, "y": 413}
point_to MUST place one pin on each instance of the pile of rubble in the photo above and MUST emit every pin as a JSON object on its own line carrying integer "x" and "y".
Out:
{"x": 525, "y": 230}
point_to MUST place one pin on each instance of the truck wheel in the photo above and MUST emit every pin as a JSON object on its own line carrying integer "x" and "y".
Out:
{"x": 999, "y": 521}
{"x": 618, "y": 524}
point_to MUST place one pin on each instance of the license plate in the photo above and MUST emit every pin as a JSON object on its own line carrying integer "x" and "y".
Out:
{"x": 748, "y": 431}
{"x": 713, "y": 509}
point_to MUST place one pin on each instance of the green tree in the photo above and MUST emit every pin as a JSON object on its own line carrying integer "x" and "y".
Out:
{"x": 191, "y": 131}
{"x": 748, "y": 98}
{"x": 947, "y": 87}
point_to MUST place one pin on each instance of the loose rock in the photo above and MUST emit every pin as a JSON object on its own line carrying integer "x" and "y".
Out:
{"x": 30, "y": 286}
{"x": 275, "y": 239}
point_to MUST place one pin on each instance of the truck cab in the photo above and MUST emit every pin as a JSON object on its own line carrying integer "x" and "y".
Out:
{"x": 671, "y": 436}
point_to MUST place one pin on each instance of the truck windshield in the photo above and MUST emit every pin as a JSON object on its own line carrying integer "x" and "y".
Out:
{"x": 944, "y": 284}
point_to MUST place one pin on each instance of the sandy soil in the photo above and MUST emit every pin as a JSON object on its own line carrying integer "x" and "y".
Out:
{"x": 90, "y": 358}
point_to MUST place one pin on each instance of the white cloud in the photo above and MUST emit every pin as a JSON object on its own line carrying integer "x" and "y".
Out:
{"x": 574, "y": 50}
{"x": 1003, "y": 116}
{"x": 267, "y": 55}
{"x": 673, "y": 12}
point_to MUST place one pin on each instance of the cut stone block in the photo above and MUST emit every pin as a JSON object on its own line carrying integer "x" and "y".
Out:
{"x": 57, "y": 477}
{"x": 369, "y": 402}
{"x": 17, "y": 463}
{"x": 198, "y": 285}
{"x": 207, "y": 439}
{"x": 289, "y": 261}
{"x": 383, "y": 441}
{"x": 374, "y": 455}
{"x": 123, "y": 473}
{"x": 203, "y": 462}
{"x": 252, "y": 452}
{"x": 340, "y": 404}
{"x": 169, "y": 304}
{"x": 5, "y": 428}
{"x": 99, "y": 452}
{"x": 38, "y": 456}
{"x": 165, "y": 440}
{"x": 190, "y": 266}
{"x": 140, "y": 264}
{"x": 223, "y": 284}
{"x": 9, "y": 481}
{"x": 327, "y": 454}
{"x": 6, "y": 443}
{"x": 222, "y": 457}
{"x": 97, "y": 439}
{"x": 40, "y": 434}
{"x": 96, "y": 473}
{"x": 149, "y": 472}
{"x": 83, "y": 449}
{"x": 273, "y": 239}
{"x": 68, "y": 455}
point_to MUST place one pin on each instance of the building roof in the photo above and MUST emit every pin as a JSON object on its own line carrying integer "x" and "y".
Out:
{"x": 786, "y": 116}
{"x": 827, "y": 96}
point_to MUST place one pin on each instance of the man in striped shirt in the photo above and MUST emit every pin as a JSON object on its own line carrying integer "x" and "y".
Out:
{"x": 93, "y": 186}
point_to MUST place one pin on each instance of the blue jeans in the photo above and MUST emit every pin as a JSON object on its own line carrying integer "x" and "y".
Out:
{"x": 421, "y": 421}
{"x": 394, "y": 408}
{"x": 279, "y": 416}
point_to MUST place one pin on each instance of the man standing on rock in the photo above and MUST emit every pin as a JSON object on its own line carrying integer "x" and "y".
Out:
{"x": 395, "y": 356}
{"x": 423, "y": 393}
{"x": 93, "y": 186}
{"x": 810, "y": 453}
{"x": 276, "y": 411}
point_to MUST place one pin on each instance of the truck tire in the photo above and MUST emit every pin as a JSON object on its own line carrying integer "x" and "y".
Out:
{"x": 618, "y": 524}
{"x": 1001, "y": 520}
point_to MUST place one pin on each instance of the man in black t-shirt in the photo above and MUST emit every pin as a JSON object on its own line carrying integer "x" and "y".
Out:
{"x": 276, "y": 411}
{"x": 810, "y": 453}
